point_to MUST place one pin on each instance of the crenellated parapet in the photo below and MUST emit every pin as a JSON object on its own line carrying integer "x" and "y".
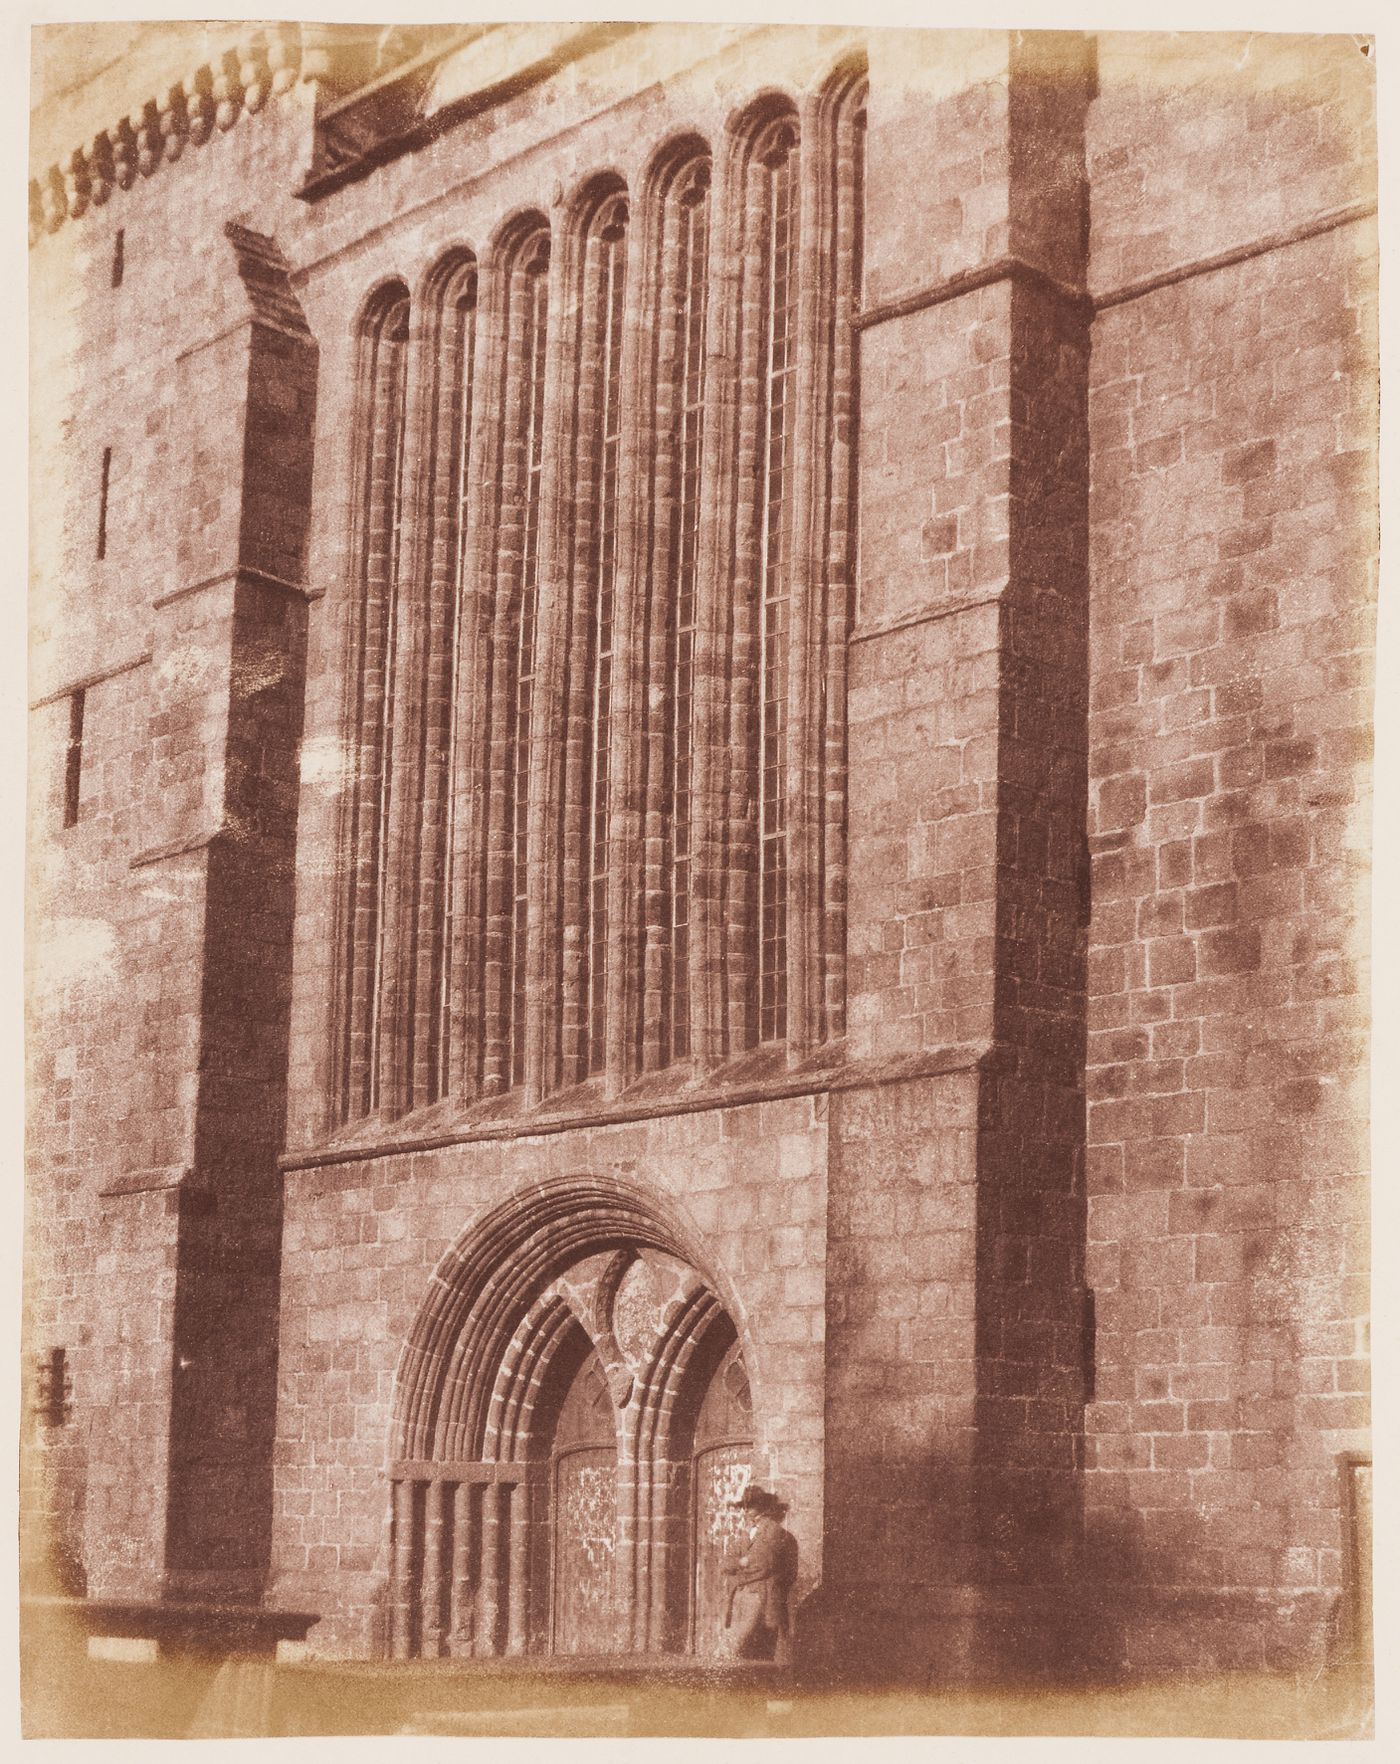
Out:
{"x": 374, "y": 95}
{"x": 262, "y": 65}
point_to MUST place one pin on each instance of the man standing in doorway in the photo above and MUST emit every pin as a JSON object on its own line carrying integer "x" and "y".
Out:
{"x": 761, "y": 1582}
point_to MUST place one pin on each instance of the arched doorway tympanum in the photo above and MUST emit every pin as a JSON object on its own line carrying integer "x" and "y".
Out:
{"x": 573, "y": 1425}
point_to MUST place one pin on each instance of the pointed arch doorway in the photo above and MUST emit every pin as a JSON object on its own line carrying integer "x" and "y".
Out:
{"x": 573, "y": 1423}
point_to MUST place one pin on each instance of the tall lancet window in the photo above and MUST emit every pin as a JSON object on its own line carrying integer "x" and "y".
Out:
{"x": 379, "y": 432}
{"x": 841, "y": 193}
{"x": 527, "y": 297}
{"x": 598, "y": 443}
{"x": 772, "y": 210}
{"x": 680, "y": 405}
{"x": 442, "y": 672}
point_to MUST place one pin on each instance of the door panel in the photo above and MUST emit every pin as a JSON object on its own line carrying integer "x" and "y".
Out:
{"x": 721, "y": 1474}
{"x": 585, "y": 1540}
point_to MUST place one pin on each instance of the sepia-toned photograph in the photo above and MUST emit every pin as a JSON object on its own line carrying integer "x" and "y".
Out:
{"x": 698, "y": 853}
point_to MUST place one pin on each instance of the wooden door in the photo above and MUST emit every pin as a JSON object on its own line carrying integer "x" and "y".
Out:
{"x": 721, "y": 1469}
{"x": 720, "y": 1475}
{"x": 585, "y": 1534}
{"x": 585, "y": 1517}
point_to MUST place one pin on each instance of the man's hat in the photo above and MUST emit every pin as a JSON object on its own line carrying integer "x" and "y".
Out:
{"x": 759, "y": 1500}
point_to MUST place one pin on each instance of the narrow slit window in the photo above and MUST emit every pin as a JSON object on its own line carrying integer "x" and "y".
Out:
{"x": 1088, "y": 1343}
{"x": 119, "y": 257}
{"x": 73, "y": 768}
{"x": 103, "y": 493}
{"x": 54, "y": 1388}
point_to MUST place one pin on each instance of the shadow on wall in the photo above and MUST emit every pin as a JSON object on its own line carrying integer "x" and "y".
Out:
{"x": 1133, "y": 1626}
{"x": 967, "y": 1588}
{"x": 53, "y": 1505}
{"x": 944, "y": 1581}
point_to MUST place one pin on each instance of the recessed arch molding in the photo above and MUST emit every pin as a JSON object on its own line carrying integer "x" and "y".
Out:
{"x": 574, "y": 1280}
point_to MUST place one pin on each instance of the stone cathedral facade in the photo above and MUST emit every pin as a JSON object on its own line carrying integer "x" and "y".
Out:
{"x": 699, "y": 714}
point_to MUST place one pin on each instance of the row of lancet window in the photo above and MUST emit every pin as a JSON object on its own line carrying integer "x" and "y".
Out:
{"x": 596, "y": 664}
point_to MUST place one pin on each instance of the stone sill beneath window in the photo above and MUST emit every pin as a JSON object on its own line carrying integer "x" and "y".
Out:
{"x": 762, "y": 1076}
